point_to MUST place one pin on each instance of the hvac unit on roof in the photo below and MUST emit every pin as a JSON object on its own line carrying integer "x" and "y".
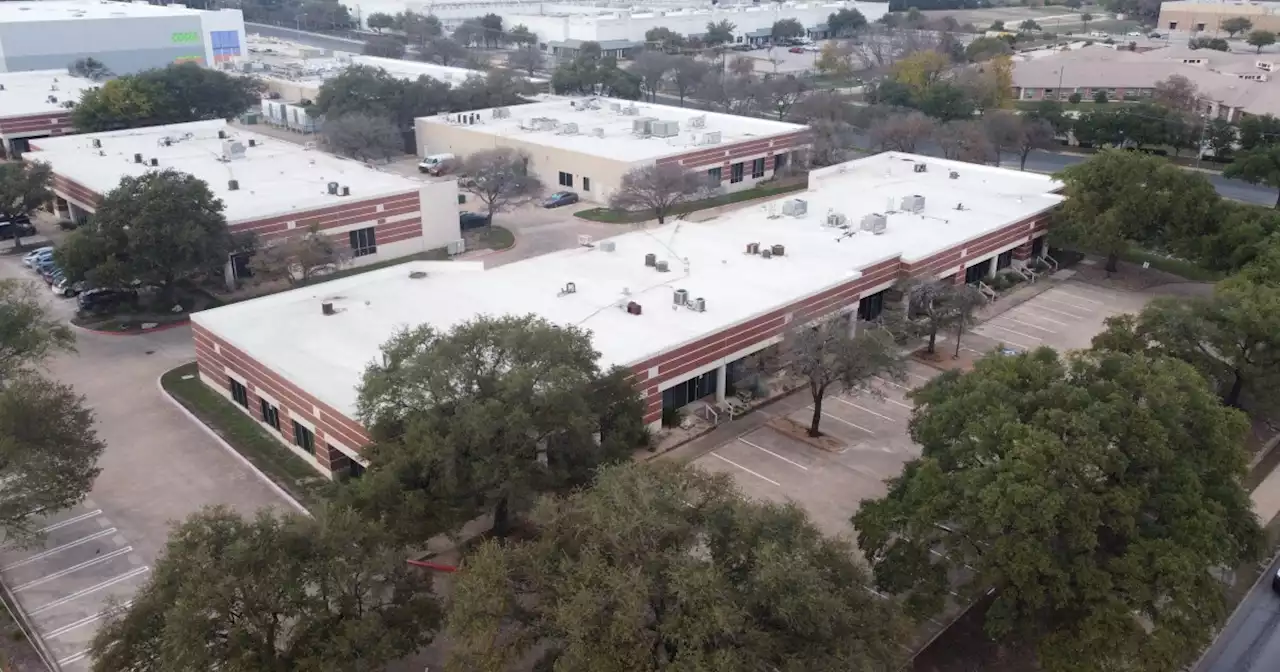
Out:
{"x": 642, "y": 126}
{"x": 631, "y": 110}
{"x": 664, "y": 129}
{"x": 570, "y": 128}
{"x": 921, "y": 168}
{"x": 913, "y": 203}
{"x": 795, "y": 207}
{"x": 597, "y": 132}
{"x": 875, "y": 223}
{"x": 836, "y": 220}
{"x": 699, "y": 121}
{"x": 615, "y": 107}
{"x": 51, "y": 99}
{"x": 680, "y": 297}
{"x": 607, "y": 246}
{"x": 709, "y": 138}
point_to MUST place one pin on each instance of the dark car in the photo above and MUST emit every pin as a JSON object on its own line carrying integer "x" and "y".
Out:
{"x": 49, "y": 272}
{"x": 101, "y": 299}
{"x": 472, "y": 220}
{"x": 22, "y": 222}
{"x": 560, "y": 198}
{"x": 1275, "y": 581}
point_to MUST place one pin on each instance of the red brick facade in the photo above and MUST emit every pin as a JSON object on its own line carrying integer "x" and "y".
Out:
{"x": 52, "y": 123}
{"x": 375, "y": 211}
{"x": 216, "y": 356}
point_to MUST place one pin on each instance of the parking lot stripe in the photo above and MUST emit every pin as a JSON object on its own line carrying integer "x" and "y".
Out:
{"x": 58, "y": 549}
{"x": 1074, "y": 295}
{"x": 864, "y": 409}
{"x": 75, "y": 568}
{"x": 1028, "y": 312}
{"x": 891, "y": 400}
{"x": 1046, "y": 297}
{"x": 788, "y": 461}
{"x": 73, "y": 658}
{"x": 87, "y": 620}
{"x": 1024, "y": 346}
{"x": 840, "y": 419}
{"x": 890, "y": 382}
{"x": 70, "y": 521}
{"x": 916, "y": 375}
{"x": 1016, "y": 333}
{"x": 1026, "y": 324}
{"x": 763, "y": 478}
{"x": 1060, "y": 312}
{"x": 87, "y": 591}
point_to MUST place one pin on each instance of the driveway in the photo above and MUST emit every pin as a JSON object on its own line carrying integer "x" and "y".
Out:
{"x": 159, "y": 466}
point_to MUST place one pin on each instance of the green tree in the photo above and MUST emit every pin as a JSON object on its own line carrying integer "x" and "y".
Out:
{"x": 278, "y": 592}
{"x": 1243, "y": 234}
{"x": 1100, "y": 97}
{"x": 1119, "y": 197}
{"x": 380, "y": 21}
{"x": 718, "y": 33}
{"x": 1235, "y": 24}
{"x": 470, "y": 33}
{"x": 90, "y": 68}
{"x": 986, "y": 48}
{"x": 1215, "y": 43}
{"x": 1260, "y": 165}
{"x": 934, "y": 306}
{"x": 1259, "y": 130}
{"x": 384, "y": 47}
{"x": 419, "y": 29}
{"x": 481, "y": 419}
{"x": 443, "y": 50}
{"x": 826, "y": 356}
{"x": 664, "y": 39}
{"x": 1084, "y": 20}
{"x": 527, "y": 59}
{"x": 846, "y": 22}
{"x": 787, "y": 29}
{"x": 48, "y": 447}
{"x": 946, "y": 102}
{"x": 24, "y": 186}
{"x": 171, "y": 95}
{"x": 996, "y": 26}
{"x": 1050, "y": 111}
{"x": 1090, "y": 498}
{"x": 1260, "y": 39}
{"x": 660, "y": 567}
{"x": 1029, "y": 25}
{"x": 493, "y": 33}
{"x": 1035, "y": 133}
{"x": 299, "y": 259}
{"x": 157, "y": 228}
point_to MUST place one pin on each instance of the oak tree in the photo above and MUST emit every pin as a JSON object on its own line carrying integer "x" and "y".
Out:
{"x": 24, "y": 186}
{"x": 658, "y": 188}
{"x": 499, "y": 178}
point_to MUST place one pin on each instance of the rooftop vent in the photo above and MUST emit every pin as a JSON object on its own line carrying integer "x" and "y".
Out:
{"x": 327, "y": 308}
{"x": 584, "y": 240}
{"x": 233, "y": 185}
{"x": 699, "y": 304}
{"x": 598, "y": 132}
{"x": 778, "y": 250}
{"x": 608, "y": 246}
{"x": 222, "y": 135}
{"x": 155, "y": 161}
{"x": 345, "y": 191}
{"x": 631, "y": 110}
{"x": 650, "y": 259}
{"x": 501, "y": 113}
{"x": 664, "y": 129}
{"x": 875, "y": 223}
{"x": 232, "y": 150}
{"x": 699, "y": 121}
{"x": 709, "y": 138}
{"x": 97, "y": 143}
{"x": 913, "y": 203}
{"x": 570, "y": 128}
{"x": 333, "y": 188}
{"x": 569, "y": 288}
{"x": 795, "y": 207}
{"x": 633, "y": 308}
{"x": 417, "y": 275}
{"x": 753, "y": 248}
{"x": 680, "y": 297}
{"x": 642, "y": 126}
{"x": 921, "y": 168}
{"x": 766, "y": 253}
{"x": 137, "y": 158}
{"x": 253, "y": 142}
{"x": 954, "y": 175}
{"x": 661, "y": 266}
{"x": 52, "y": 99}
{"x": 836, "y": 220}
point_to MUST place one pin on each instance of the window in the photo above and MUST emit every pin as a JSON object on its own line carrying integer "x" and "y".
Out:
{"x": 270, "y": 414}
{"x": 735, "y": 173}
{"x": 757, "y": 169}
{"x": 1037, "y": 247}
{"x": 239, "y": 393}
{"x": 870, "y": 307}
{"x": 779, "y": 162}
{"x": 714, "y": 176}
{"x": 586, "y": 184}
{"x": 355, "y": 469}
{"x": 304, "y": 437}
{"x": 1005, "y": 260}
{"x": 363, "y": 242}
{"x": 566, "y": 179}
{"x": 977, "y": 272}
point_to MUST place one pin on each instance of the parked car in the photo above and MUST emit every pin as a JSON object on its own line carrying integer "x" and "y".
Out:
{"x": 560, "y": 198}
{"x": 64, "y": 287}
{"x": 1275, "y": 581}
{"x": 1133, "y": 33}
{"x": 22, "y": 223}
{"x": 437, "y": 164}
{"x": 101, "y": 299}
{"x": 796, "y": 50}
{"x": 50, "y": 272}
{"x": 742, "y": 47}
{"x": 472, "y": 220}
{"x": 29, "y": 259}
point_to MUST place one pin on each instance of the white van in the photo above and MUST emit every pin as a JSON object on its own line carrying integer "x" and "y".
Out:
{"x": 437, "y": 164}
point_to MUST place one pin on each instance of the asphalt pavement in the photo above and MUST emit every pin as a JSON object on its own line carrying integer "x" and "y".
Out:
{"x": 1250, "y": 642}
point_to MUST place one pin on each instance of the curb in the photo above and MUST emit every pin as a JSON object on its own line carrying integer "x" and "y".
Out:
{"x": 275, "y": 487}
{"x": 163, "y": 327}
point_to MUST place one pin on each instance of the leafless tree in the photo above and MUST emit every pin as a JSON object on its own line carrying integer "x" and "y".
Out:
{"x": 298, "y": 259}
{"x": 527, "y": 59}
{"x": 832, "y": 142}
{"x": 687, "y": 74}
{"x": 828, "y": 356}
{"x": 727, "y": 93}
{"x": 652, "y": 68}
{"x": 880, "y": 47}
{"x": 779, "y": 94}
{"x": 658, "y": 188}
{"x": 500, "y": 178}
{"x": 902, "y": 132}
{"x": 363, "y": 136}
{"x": 1176, "y": 93}
{"x": 964, "y": 141}
{"x": 1036, "y": 134}
{"x": 742, "y": 66}
{"x": 1004, "y": 131}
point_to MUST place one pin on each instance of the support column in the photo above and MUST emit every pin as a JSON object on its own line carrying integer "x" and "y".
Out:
{"x": 722, "y": 374}
{"x": 1022, "y": 252}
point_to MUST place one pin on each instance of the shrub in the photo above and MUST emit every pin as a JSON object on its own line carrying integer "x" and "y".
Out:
{"x": 1074, "y": 98}
{"x": 1100, "y": 97}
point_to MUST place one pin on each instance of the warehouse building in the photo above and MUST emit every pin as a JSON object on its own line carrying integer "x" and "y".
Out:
{"x": 36, "y": 104}
{"x": 125, "y": 36}
{"x": 680, "y": 305}
{"x": 587, "y": 144}
{"x": 271, "y": 188}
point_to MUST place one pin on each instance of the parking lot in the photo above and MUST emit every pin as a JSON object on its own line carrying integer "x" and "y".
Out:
{"x": 771, "y": 465}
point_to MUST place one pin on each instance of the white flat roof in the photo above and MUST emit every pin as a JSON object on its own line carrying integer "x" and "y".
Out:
{"x": 326, "y": 355}
{"x": 28, "y": 93}
{"x": 275, "y": 177}
{"x": 67, "y": 10}
{"x": 617, "y": 140}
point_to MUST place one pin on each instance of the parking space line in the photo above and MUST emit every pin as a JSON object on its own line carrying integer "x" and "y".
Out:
{"x": 70, "y": 521}
{"x": 1026, "y": 324}
{"x": 1027, "y": 309}
{"x": 864, "y": 409}
{"x": 890, "y": 382}
{"x": 75, "y": 568}
{"x": 87, "y": 620}
{"x": 1060, "y": 312}
{"x": 87, "y": 591}
{"x": 1046, "y": 297}
{"x": 840, "y": 419}
{"x": 1009, "y": 340}
{"x": 891, "y": 400}
{"x": 1016, "y": 333}
{"x": 73, "y": 658}
{"x": 44, "y": 554}
{"x": 763, "y": 478}
{"x": 1077, "y": 296}
{"x": 916, "y": 375}
{"x": 788, "y": 461}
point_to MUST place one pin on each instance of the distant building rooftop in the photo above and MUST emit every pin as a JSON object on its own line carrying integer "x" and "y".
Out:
{"x": 24, "y": 94}
{"x": 604, "y": 127}
{"x": 275, "y": 177}
{"x": 326, "y": 354}
{"x": 67, "y": 10}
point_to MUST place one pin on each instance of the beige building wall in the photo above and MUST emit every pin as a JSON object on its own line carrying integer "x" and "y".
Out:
{"x": 1196, "y": 17}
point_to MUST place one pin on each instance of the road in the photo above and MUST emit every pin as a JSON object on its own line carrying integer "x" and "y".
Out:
{"x": 304, "y": 37}
{"x": 1250, "y": 642}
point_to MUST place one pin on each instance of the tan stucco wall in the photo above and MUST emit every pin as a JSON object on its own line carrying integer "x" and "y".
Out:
{"x": 1188, "y": 18}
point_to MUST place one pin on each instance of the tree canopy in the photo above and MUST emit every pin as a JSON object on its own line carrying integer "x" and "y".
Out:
{"x": 24, "y": 186}
{"x": 658, "y": 188}
{"x": 1091, "y": 494}
{"x": 482, "y": 418}
{"x": 663, "y": 567}
{"x": 276, "y": 592}
{"x": 1260, "y": 165}
{"x": 499, "y": 178}
{"x": 171, "y": 95}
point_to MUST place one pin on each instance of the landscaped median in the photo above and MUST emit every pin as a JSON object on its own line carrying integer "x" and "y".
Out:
{"x": 247, "y": 437}
{"x": 611, "y": 216}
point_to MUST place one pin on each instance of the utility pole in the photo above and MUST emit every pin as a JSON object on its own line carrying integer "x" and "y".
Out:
{"x": 1204, "y": 126}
